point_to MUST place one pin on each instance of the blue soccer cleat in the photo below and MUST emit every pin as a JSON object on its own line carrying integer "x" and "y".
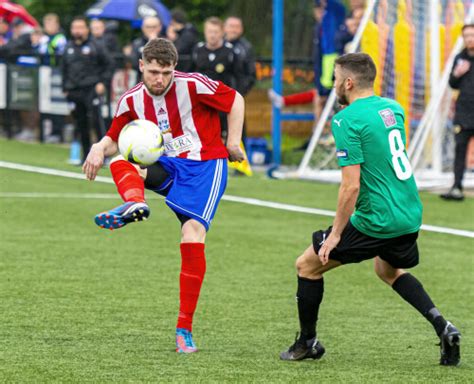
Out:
{"x": 122, "y": 215}
{"x": 184, "y": 341}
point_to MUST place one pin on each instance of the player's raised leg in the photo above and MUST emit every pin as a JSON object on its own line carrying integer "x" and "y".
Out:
{"x": 309, "y": 296}
{"x": 129, "y": 181}
{"x": 412, "y": 291}
{"x": 193, "y": 269}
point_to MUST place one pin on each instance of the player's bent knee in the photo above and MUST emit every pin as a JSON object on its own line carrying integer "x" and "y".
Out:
{"x": 193, "y": 231}
{"x": 141, "y": 171}
{"x": 386, "y": 272}
{"x": 308, "y": 265}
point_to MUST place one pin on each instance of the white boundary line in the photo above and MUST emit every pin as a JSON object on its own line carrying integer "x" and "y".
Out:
{"x": 235, "y": 199}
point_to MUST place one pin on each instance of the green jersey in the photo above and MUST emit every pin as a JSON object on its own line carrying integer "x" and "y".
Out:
{"x": 370, "y": 132}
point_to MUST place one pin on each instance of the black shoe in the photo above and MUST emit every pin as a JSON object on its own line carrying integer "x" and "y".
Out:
{"x": 453, "y": 194}
{"x": 450, "y": 341}
{"x": 303, "y": 349}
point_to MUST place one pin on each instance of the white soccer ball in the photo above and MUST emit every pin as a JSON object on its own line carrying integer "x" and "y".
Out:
{"x": 141, "y": 142}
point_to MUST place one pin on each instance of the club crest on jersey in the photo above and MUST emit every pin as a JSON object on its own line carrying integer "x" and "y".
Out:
{"x": 164, "y": 125}
{"x": 388, "y": 117}
{"x": 342, "y": 153}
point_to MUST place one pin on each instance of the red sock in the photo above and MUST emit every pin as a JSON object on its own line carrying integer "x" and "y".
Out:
{"x": 193, "y": 268}
{"x": 300, "y": 98}
{"x": 129, "y": 183}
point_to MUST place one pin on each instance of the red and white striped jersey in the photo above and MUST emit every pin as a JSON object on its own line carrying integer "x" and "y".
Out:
{"x": 187, "y": 115}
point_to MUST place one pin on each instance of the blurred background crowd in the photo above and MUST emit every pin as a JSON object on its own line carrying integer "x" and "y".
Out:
{"x": 91, "y": 50}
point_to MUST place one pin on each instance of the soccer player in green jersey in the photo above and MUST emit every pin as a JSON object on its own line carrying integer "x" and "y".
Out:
{"x": 378, "y": 210}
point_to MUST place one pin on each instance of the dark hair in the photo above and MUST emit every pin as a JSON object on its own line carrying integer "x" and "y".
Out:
{"x": 361, "y": 66}
{"x": 80, "y": 18}
{"x": 161, "y": 50}
{"x": 466, "y": 26}
{"x": 179, "y": 16}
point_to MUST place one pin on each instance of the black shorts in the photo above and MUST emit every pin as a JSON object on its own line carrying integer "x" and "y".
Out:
{"x": 354, "y": 247}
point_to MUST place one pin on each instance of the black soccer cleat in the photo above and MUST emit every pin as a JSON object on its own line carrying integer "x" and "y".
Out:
{"x": 450, "y": 342}
{"x": 303, "y": 349}
{"x": 453, "y": 194}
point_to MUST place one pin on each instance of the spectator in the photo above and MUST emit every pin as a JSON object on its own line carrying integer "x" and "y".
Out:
{"x": 4, "y": 31}
{"x": 22, "y": 49}
{"x": 462, "y": 78}
{"x": 151, "y": 28}
{"x": 86, "y": 68}
{"x": 52, "y": 47}
{"x": 106, "y": 34}
{"x": 216, "y": 59}
{"x": 347, "y": 31}
{"x": 185, "y": 36}
{"x": 234, "y": 30}
{"x": 54, "y": 41}
{"x": 19, "y": 44}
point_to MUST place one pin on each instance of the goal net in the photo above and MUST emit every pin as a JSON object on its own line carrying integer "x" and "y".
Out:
{"x": 413, "y": 44}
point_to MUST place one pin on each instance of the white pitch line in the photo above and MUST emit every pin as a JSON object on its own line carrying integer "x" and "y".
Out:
{"x": 236, "y": 199}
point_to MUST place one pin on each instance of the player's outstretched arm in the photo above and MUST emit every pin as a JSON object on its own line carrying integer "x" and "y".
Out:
{"x": 95, "y": 159}
{"x": 235, "y": 121}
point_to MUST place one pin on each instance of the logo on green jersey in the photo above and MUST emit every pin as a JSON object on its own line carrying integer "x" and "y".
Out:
{"x": 388, "y": 117}
{"x": 342, "y": 153}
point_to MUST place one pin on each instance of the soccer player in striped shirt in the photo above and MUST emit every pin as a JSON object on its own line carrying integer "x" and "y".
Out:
{"x": 192, "y": 173}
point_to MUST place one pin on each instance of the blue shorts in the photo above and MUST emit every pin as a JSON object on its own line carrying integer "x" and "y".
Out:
{"x": 194, "y": 188}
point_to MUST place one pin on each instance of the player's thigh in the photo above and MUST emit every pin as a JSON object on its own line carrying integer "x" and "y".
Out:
{"x": 141, "y": 171}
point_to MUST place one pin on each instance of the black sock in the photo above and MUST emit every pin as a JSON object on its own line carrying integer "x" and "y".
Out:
{"x": 309, "y": 297}
{"x": 408, "y": 287}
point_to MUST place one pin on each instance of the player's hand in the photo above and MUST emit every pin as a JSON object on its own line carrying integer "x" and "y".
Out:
{"x": 331, "y": 242}
{"x": 461, "y": 68}
{"x": 94, "y": 161}
{"x": 235, "y": 153}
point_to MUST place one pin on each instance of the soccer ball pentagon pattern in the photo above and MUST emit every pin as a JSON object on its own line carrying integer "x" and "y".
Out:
{"x": 141, "y": 142}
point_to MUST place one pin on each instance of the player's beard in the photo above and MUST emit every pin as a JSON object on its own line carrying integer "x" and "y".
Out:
{"x": 159, "y": 93}
{"x": 341, "y": 96}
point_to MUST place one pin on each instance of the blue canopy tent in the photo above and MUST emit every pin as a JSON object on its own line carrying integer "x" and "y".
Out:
{"x": 130, "y": 10}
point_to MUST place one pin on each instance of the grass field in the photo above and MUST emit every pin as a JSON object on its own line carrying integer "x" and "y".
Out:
{"x": 82, "y": 304}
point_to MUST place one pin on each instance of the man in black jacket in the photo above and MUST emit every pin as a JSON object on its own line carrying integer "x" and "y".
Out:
{"x": 216, "y": 59}
{"x": 186, "y": 37}
{"x": 462, "y": 78}
{"x": 234, "y": 29}
{"x": 151, "y": 29}
{"x": 86, "y": 67}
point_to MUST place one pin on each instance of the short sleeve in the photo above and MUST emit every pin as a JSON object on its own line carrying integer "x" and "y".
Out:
{"x": 348, "y": 142}
{"x": 221, "y": 97}
{"x": 121, "y": 118}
